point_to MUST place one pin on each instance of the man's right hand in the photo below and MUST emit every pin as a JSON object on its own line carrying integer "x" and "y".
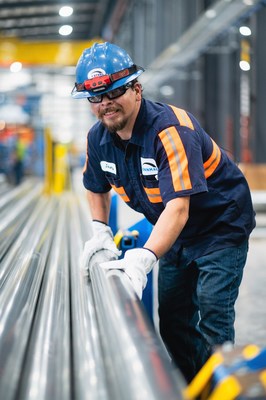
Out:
{"x": 101, "y": 241}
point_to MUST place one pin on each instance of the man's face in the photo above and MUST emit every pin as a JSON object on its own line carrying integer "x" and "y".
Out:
{"x": 121, "y": 112}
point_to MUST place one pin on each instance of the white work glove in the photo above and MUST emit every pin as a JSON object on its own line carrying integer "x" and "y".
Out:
{"x": 137, "y": 263}
{"x": 101, "y": 241}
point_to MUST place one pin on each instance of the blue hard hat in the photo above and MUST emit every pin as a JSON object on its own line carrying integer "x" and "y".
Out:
{"x": 101, "y": 68}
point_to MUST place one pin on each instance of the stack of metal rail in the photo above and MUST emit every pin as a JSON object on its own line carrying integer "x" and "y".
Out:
{"x": 63, "y": 336}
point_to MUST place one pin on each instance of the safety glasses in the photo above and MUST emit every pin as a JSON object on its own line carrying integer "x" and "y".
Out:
{"x": 112, "y": 94}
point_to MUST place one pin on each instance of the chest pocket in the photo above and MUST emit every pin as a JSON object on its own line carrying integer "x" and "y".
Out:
{"x": 118, "y": 188}
{"x": 151, "y": 187}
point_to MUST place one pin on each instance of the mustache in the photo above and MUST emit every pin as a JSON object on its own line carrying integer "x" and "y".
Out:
{"x": 107, "y": 110}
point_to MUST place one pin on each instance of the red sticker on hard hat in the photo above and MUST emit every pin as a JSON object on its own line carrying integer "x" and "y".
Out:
{"x": 120, "y": 74}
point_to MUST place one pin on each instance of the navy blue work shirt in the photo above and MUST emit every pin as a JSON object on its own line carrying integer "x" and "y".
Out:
{"x": 170, "y": 155}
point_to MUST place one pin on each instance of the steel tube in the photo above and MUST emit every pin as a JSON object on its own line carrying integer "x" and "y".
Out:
{"x": 13, "y": 217}
{"x": 15, "y": 235}
{"x": 14, "y": 193}
{"x": 18, "y": 299}
{"x": 138, "y": 366}
{"x": 63, "y": 336}
{"x": 47, "y": 372}
{"x": 88, "y": 369}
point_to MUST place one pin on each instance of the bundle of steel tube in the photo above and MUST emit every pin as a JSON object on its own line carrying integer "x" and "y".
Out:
{"x": 62, "y": 335}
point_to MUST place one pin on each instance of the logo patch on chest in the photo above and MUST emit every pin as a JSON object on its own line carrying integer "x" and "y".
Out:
{"x": 108, "y": 167}
{"x": 148, "y": 166}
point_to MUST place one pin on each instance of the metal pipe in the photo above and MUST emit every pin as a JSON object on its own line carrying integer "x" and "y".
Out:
{"x": 74, "y": 338}
{"x": 17, "y": 192}
{"x": 15, "y": 229}
{"x": 14, "y": 215}
{"x": 18, "y": 298}
{"x": 88, "y": 370}
{"x": 137, "y": 364}
{"x": 47, "y": 372}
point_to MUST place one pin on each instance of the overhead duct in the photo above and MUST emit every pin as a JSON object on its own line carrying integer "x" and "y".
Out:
{"x": 212, "y": 23}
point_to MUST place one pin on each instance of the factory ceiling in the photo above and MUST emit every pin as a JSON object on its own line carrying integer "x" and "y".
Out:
{"x": 39, "y": 20}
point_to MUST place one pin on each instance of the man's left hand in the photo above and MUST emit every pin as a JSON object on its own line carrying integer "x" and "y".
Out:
{"x": 137, "y": 263}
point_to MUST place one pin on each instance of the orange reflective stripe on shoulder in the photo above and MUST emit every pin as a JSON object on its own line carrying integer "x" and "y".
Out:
{"x": 182, "y": 117}
{"x": 177, "y": 158}
{"x": 213, "y": 161}
{"x": 121, "y": 191}
{"x": 154, "y": 195}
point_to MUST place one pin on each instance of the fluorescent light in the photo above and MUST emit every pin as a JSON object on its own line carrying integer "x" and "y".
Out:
{"x": 16, "y": 66}
{"x": 65, "y": 30}
{"x": 244, "y": 65}
{"x": 167, "y": 90}
{"x": 248, "y": 2}
{"x": 211, "y": 13}
{"x": 66, "y": 11}
{"x": 245, "y": 30}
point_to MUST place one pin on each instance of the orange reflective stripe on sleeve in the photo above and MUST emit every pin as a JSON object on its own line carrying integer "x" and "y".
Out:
{"x": 183, "y": 117}
{"x": 121, "y": 191}
{"x": 153, "y": 194}
{"x": 213, "y": 161}
{"x": 177, "y": 158}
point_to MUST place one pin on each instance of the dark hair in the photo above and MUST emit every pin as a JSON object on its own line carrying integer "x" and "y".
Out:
{"x": 136, "y": 81}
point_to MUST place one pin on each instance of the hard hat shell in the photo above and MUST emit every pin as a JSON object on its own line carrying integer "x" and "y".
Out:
{"x": 103, "y": 59}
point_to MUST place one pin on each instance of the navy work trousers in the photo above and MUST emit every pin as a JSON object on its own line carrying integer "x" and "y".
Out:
{"x": 196, "y": 304}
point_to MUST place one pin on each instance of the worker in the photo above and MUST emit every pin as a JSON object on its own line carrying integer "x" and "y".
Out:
{"x": 163, "y": 164}
{"x": 18, "y": 159}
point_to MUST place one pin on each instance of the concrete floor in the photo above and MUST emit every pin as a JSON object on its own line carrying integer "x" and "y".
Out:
{"x": 251, "y": 304}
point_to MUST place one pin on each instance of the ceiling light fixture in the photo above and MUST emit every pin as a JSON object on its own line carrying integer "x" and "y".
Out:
{"x": 245, "y": 30}
{"x": 16, "y": 66}
{"x": 65, "y": 30}
{"x": 244, "y": 65}
{"x": 211, "y": 13}
{"x": 248, "y": 2}
{"x": 66, "y": 11}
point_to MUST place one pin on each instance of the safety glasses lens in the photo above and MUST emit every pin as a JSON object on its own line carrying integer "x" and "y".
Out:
{"x": 113, "y": 94}
{"x": 95, "y": 99}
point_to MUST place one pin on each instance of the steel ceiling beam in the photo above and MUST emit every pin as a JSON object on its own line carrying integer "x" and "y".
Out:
{"x": 215, "y": 21}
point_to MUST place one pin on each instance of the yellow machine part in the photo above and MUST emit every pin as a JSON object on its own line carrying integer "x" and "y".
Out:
{"x": 44, "y": 53}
